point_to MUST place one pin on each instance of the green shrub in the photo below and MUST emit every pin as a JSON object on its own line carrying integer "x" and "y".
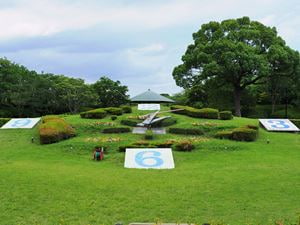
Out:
{"x": 184, "y": 146}
{"x": 130, "y": 122}
{"x": 54, "y": 129}
{"x": 149, "y": 135}
{"x": 94, "y": 114}
{"x": 113, "y": 117}
{"x": 226, "y": 134}
{"x": 186, "y": 131}
{"x": 254, "y": 127}
{"x": 126, "y": 109}
{"x": 3, "y": 121}
{"x": 226, "y": 115}
{"x": 244, "y": 134}
{"x": 208, "y": 113}
{"x": 165, "y": 144}
{"x": 114, "y": 111}
{"x": 116, "y": 130}
{"x": 175, "y": 107}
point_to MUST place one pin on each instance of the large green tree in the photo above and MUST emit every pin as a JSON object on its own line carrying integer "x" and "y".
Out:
{"x": 234, "y": 52}
{"x": 111, "y": 93}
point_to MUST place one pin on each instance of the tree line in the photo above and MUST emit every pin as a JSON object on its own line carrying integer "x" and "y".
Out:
{"x": 25, "y": 93}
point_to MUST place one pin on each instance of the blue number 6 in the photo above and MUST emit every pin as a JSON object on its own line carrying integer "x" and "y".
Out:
{"x": 140, "y": 159}
{"x": 280, "y": 124}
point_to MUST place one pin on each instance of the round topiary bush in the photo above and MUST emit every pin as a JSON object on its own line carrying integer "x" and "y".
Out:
{"x": 225, "y": 115}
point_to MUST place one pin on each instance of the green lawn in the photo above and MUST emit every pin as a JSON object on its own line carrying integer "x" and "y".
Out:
{"x": 221, "y": 181}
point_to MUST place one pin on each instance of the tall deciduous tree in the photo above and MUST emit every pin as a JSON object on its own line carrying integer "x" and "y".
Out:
{"x": 234, "y": 52}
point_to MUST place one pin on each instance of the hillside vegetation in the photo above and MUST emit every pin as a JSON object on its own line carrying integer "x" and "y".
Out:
{"x": 220, "y": 181}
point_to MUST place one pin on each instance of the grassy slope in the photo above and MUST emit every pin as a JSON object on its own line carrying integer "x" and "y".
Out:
{"x": 221, "y": 180}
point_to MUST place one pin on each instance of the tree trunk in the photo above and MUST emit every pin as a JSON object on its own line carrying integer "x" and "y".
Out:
{"x": 237, "y": 101}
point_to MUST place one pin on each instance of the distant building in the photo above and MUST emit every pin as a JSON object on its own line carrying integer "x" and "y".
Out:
{"x": 150, "y": 97}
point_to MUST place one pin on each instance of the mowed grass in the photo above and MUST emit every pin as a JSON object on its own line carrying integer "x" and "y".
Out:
{"x": 221, "y": 181}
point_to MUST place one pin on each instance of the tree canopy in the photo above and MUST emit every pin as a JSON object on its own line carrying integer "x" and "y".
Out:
{"x": 111, "y": 93}
{"x": 236, "y": 53}
{"x": 27, "y": 93}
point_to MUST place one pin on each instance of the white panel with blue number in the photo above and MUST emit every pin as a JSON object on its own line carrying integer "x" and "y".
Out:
{"x": 21, "y": 123}
{"x": 278, "y": 125}
{"x": 149, "y": 158}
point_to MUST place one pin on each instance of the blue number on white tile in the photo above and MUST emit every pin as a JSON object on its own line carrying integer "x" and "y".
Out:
{"x": 21, "y": 123}
{"x": 141, "y": 160}
{"x": 279, "y": 124}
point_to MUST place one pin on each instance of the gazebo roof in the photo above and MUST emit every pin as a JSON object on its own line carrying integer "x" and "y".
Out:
{"x": 150, "y": 96}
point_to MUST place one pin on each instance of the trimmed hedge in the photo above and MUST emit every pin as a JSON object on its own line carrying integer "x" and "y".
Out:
{"x": 244, "y": 134}
{"x": 225, "y": 115}
{"x": 130, "y": 122}
{"x": 112, "y": 130}
{"x": 54, "y": 129}
{"x": 226, "y": 134}
{"x": 207, "y": 113}
{"x": 114, "y": 111}
{"x": 101, "y": 113}
{"x": 186, "y": 131}
{"x": 254, "y": 127}
{"x": 3, "y": 121}
{"x": 94, "y": 114}
{"x": 126, "y": 109}
{"x": 165, "y": 144}
{"x": 184, "y": 146}
{"x": 183, "y": 112}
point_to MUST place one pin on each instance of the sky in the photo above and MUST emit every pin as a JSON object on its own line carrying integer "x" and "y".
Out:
{"x": 137, "y": 42}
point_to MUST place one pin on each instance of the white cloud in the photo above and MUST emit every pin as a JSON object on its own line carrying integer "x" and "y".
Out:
{"x": 44, "y": 17}
{"x": 151, "y": 63}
